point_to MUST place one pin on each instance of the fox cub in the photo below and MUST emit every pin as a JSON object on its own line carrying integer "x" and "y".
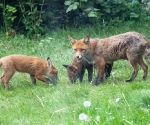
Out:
{"x": 35, "y": 66}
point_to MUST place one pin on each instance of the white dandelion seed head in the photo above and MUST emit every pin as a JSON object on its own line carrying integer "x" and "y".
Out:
{"x": 87, "y": 104}
{"x": 113, "y": 84}
{"x": 97, "y": 118}
{"x": 118, "y": 99}
{"x": 84, "y": 117}
{"x": 113, "y": 73}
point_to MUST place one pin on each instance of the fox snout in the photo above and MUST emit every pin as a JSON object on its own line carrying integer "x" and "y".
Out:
{"x": 79, "y": 57}
{"x": 52, "y": 77}
{"x": 54, "y": 81}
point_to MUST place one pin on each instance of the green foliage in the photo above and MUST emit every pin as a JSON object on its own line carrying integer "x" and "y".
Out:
{"x": 109, "y": 10}
{"x": 8, "y": 17}
{"x": 85, "y": 5}
{"x": 32, "y": 18}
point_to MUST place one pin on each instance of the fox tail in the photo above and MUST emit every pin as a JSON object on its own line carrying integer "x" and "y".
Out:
{"x": 147, "y": 53}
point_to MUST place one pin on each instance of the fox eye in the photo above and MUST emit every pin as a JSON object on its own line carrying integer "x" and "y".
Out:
{"x": 75, "y": 50}
{"x": 82, "y": 49}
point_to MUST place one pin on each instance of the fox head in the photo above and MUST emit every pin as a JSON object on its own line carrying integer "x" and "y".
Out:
{"x": 80, "y": 47}
{"x": 72, "y": 72}
{"x": 51, "y": 72}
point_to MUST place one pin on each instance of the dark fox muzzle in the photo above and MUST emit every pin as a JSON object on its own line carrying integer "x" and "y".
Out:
{"x": 79, "y": 57}
{"x": 52, "y": 80}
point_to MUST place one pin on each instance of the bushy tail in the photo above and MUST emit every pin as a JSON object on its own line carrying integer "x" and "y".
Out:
{"x": 0, "y": 62}
{"x": 147, "y": 53}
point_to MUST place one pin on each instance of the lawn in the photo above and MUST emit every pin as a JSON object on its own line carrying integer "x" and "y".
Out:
{"x": 114, "y": 102}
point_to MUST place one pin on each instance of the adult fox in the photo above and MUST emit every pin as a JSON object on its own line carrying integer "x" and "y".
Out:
{"x": 131, "y": 46}
{"x": 77, "y": 69}
{"x": 35, "y": 66}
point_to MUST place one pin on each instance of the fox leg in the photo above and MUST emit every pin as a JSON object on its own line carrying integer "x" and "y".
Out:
{"x": 33, "y": 79}
{"x": 134, "y": 74}
{"x": 144, "y": 67}
{"x": 90, "y": 73}
{"x": 6, "y": 77}
{"x": 81, "y": 74}
{"x": 2, "y": 80}
{"x": 42, "y": 78}
{"x": 100, "y": 74}
{"x": 133, "y": 61}
{"x": 108, "y": 68}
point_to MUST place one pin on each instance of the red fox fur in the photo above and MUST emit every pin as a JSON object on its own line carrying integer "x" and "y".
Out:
{"x": 131, "y": 46}
{"x": 77, "y": 69}
{"x": 35, "y": 66}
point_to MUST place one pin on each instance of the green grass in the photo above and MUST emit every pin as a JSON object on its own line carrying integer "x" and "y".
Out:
{"x": 114, "y": 101}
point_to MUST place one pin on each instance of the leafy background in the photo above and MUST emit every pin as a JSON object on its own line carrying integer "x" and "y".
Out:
{"x": 35, "y": 18}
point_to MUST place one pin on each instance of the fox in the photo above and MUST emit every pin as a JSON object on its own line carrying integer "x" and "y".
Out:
{"x": 32, "y": 65}
{"x": 131, "y": 46}
{"x": 77, "y": 69}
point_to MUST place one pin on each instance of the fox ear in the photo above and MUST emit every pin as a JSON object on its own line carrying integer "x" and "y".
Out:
{"x": 49, "y": 63}
{"x": 72, "y": 40}
{"x": 87, "y": 39}
{"x": 66, "y": 66}
{"x": 72, "y": 68}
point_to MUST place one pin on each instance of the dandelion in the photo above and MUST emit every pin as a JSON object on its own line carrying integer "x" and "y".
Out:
{"x": 97, "y": 118}
{"x": 113, "y": 73}
{"x": 117, "y": 100}
{"x": 84, "y": 117}
{"x": 124, "y": 117}
{"x": 87, "y": 104}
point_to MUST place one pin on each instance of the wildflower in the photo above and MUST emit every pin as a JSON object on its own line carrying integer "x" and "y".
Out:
{"x": 113, "y": 73}
{"x": 117, "y": 100}
{"x": 84, "y": 117}
{"x": 97, "y": 118}
{"x": 87, "y": 104}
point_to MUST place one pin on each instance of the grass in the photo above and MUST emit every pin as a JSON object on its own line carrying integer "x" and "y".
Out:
{"x": 114, "y": 102}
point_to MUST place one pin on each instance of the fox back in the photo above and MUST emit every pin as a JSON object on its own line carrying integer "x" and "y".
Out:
{"x": 34, "y": 66}
{"x": 111, "y": 48}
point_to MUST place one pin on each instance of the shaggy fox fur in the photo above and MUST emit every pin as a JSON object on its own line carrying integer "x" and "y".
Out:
{"x": 131, "y": 46}
{"x": 77, "y": 69}
{"x": 35, "y": 66}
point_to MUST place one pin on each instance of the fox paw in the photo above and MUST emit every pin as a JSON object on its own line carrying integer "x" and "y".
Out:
{"x": 129, "y": 80}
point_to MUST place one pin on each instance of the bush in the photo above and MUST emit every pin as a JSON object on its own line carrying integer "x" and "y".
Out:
{"x": 34, "y": 18}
